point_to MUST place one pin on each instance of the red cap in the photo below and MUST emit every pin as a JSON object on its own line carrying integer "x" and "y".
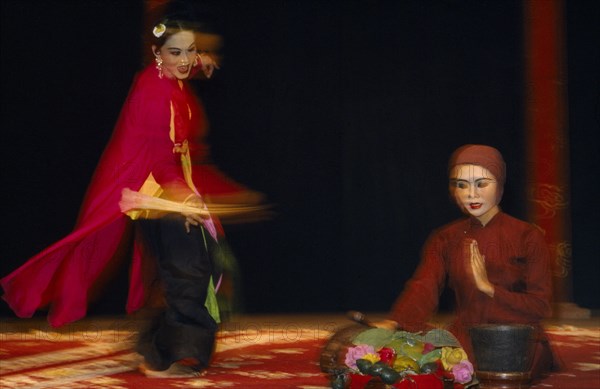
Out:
{"x": 484, "y": 156}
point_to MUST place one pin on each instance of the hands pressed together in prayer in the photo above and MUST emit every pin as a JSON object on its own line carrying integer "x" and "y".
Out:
{"x": 477, "y": 261}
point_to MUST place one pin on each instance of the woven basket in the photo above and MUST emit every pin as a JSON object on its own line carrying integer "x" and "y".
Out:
{"x": 334, "y": 351}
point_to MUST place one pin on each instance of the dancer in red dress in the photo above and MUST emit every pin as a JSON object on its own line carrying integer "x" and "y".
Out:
{"x": 149, "y": 152}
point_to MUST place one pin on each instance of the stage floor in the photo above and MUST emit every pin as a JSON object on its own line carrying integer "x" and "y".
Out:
{"x": 275, "y": 321}
{"x": 252, "y": 351}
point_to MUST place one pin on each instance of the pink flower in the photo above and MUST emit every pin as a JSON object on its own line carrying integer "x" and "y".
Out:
{"x": 463, "y": 372}
{"x": 357, "y": 352}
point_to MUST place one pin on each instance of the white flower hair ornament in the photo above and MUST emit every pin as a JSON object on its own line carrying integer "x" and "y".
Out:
{"x": 159, "y": 30}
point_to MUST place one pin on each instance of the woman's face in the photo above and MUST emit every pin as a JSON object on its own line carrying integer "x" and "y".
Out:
{"x": 178, "y": 55}
{"x": 476, "y": 191}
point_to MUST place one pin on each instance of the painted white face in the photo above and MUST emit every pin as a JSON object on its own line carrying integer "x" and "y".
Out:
{"x": 178, "y": 55}
{"x": 475, "y": 190}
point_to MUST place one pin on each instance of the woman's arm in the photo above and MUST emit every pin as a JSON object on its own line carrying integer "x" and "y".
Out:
{"x": 420, "y": 298}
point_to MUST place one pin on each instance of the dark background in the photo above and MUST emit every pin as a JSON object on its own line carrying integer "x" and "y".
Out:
{"x": 343, "y": 113}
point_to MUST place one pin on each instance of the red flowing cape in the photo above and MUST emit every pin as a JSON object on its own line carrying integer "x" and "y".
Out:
{"x": 62, "y": 275}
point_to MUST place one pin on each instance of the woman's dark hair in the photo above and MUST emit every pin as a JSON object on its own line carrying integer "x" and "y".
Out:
{"x": 176, "y": 16}
{"x": 172, "y": 27}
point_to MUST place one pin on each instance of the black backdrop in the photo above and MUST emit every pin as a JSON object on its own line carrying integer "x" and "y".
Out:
{"x": 342, "y": 112}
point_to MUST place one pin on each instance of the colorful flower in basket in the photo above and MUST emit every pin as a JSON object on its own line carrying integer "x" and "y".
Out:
{"x": 395, "y": 357}
{"x": 452, "y": 356}
{"x": 387, "y": 355}
{"x": 428, "y": 347}
{"x": 371, "y": 357}
{"x": 357, "y": 352}
{"x": 463, "y": 372}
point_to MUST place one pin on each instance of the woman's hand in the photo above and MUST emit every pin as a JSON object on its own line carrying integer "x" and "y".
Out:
{"x": 193, "y": 219}
{"x": 208, "y": 64}
{"x": 479, "y": 272}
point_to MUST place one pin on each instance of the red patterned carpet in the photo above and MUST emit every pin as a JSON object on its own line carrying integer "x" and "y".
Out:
{"x": 255, "y": 352}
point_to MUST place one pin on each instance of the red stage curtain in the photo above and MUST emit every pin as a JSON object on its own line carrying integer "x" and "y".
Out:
{"x": 548, "y": 144}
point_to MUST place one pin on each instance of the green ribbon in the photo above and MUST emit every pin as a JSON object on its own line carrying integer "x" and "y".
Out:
{"x": 211, "y": 302}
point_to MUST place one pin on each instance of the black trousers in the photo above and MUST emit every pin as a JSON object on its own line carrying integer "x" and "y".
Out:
{"x": 184, "y": 328}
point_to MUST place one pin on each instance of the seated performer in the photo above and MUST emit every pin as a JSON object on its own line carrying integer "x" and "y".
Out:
{"x": 497, "y": 266}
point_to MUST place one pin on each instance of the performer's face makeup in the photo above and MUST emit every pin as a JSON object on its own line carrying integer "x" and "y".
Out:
{"x": 475, "y": 190}
{"x": 178, "y": 54}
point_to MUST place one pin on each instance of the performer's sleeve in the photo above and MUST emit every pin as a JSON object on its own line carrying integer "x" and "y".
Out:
{"x": 533, "y": 302}
{"x": 420, "y": 298}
